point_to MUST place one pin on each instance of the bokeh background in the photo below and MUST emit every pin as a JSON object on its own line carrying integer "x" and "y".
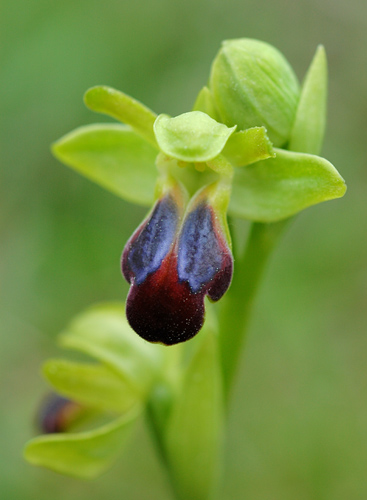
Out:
{"x": 298, "y": 422}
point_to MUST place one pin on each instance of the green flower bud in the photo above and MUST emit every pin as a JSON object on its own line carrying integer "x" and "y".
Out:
{"x": 253, "y": 85}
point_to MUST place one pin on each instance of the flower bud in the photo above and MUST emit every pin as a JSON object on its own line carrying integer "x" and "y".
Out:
{"x": 253, "y": 85}
{"x": 172, "y": 262}
{"x": 58, "y": 413}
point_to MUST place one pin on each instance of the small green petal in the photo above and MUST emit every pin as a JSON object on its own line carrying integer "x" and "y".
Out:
{"x": 191, "y": 137}
{"x": 85, "y": 455}
{"x": 194, "y": 430}
{"x": 248, "y": 146}
{"x": 279, "y": 187}
{"x": 124, "y": 108}
{"x": 92, "y": 385}
{"x": 205, "y": 103}
{"x": 104, "y": 333}
{"x": 114, "y": 157}
{"x": 309, "y": 126}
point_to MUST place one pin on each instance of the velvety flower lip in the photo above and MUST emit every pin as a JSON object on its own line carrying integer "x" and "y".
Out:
{"x": 171, "y": 265}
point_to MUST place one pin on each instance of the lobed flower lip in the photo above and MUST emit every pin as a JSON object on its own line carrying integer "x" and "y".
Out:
{"x": 172, "y": 262}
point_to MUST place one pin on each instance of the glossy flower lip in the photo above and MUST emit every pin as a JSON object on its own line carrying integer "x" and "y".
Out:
{"x": 172, "y": 262}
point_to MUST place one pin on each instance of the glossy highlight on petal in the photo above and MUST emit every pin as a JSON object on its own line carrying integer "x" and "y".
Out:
{"x": 151, "y": 242}
{"x": 202, "y": 255}
{"x": 172, "y": 262}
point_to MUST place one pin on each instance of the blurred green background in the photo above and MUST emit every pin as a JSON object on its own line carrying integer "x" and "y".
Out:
{"x": 298, "y": 422}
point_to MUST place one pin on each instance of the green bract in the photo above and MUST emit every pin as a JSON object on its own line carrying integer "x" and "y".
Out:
{"x": 252, "y": 85}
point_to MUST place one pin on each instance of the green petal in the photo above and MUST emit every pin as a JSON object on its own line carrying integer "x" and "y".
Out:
{"x": 194, "y": 430}
{"x": 309, "y": 126}
{"x": 205, "y": 103}
{"x": 191, "y": 137}
{"x": 277, "y": 188}
{"x": 104, "y": 333}
{"x": 114, "y": 157}
{"x": 85, "y": 455}
{"x": 248, "y": 146}
{"x": 124, "y": 108}
{"x": 92, "y": 385}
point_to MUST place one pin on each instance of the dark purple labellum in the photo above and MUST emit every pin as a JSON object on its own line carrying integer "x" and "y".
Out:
{"x": 171, "y": 268}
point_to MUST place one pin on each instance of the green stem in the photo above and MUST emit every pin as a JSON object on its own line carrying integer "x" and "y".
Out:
{"x": 237, "y": 304}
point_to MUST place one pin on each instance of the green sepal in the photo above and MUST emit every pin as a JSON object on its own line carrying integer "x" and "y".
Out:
{"x": 194, "y": 428}
{"x": 84, "y": 455}
{"x": 114, "y": 157}
{"x": 124, "y": 108}
{"x": 191, "y": 137}
{"x": 309, "y": 126}
{"x": 254, "y": 85}
{"x": 205, "y": 103}
{"x": 93, "y": 385}
{"x": 279, "y": 187}
{"x": 248, "y": 146}
{"x": 104, "y": 333}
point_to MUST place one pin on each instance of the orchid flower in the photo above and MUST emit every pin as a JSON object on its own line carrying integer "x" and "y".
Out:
{"x": 248, "y": 149}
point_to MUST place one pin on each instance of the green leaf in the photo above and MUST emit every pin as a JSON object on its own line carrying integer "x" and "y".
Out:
{"x": 194, "y": 430}
{"x": 104, "y": 333}
{"x": 114, "y": 157}
{"x": 84, "y": 455}
{"x": 124, "y": 108}
{"x": 92, "y": 385}
{"x": 191, "y": 137}
{"x": 277, "y": 188}
{"x": 309, "y": 126}
{"x": 248, "y": 146}
{"x": 205, "y": 103}
{"x": 254, "y": 85}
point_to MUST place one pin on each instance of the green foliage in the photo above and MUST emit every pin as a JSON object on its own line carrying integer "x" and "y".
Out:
{"x": 193, "y": 435}
{"x": 277, "y": 188}
{"x": 114, "y": 157}
{"x": 104, "y": 333}
{"x": 92, "y": 385}
{"x": 84, "y": 455}
{"x": 124, "y": 108}
{"x": 309, "y": 125}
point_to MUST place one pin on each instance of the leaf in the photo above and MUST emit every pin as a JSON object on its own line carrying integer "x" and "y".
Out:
{"x": 191, "y": 137}
{"x": 205, "y": 103}
{"x": 194, "y": 430}
{"x": 84, "y": 455}
{"x": 92, "y": 385}
{"x": 114, "y": 157}
{"x": 104, "y": 333}
{"x": 309, "y": 126}
{"x": 248, "y": 146}
{"x": 277, "y": 188}
{"x": 124, "y": 108}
